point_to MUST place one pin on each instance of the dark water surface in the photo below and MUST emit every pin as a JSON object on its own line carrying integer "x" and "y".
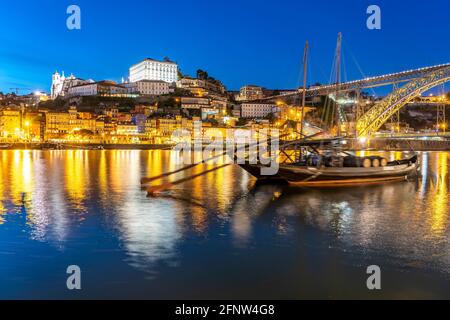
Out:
{"x": 218, "y": 236}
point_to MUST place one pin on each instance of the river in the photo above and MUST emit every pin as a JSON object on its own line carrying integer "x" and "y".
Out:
{"x": 221, "y": 235}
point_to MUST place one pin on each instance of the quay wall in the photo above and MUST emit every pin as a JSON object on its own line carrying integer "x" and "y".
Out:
{"x": 387, "y": 144}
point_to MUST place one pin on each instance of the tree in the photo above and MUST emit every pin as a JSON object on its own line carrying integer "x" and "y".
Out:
{"x": 241, "y": 122}
{"x": 271, "y": 117}
{"x": 201, "y": 74}
{"x": 179, "y": 74}
{"x": 448, "y": 95}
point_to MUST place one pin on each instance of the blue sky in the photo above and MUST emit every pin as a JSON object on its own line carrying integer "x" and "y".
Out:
{"x": 239, "y": 42}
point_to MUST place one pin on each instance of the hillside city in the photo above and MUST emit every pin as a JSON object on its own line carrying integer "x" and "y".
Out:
{"x": 157, "y": 99}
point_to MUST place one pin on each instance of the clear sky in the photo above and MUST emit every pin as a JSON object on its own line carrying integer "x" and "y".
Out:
{"x": 237, "y": 41}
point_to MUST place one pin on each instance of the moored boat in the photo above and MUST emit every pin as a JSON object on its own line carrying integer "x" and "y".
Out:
{"x": 324, "y": 163}
{"x": 303, "y": 175}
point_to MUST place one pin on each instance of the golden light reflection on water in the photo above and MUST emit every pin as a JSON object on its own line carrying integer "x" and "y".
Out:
{"x": 61, "y": 184}
{"x": 439, "y": 196}
{"x": 102, "y": 173}
{"x": 21, "y": 176}
{"x": 76, "y": 176}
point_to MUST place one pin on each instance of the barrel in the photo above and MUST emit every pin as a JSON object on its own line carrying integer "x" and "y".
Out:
{"x": 375, "y": 163}
{"x": 378, "y": 161}
{"x": 367, "y": 163}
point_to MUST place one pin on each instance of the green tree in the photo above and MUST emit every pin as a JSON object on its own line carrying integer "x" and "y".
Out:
{"x": 201, "y": 74}
{"x": 241, "y": 122}
{"x": 179, "y": 74}
{"x": 271, "y": 117}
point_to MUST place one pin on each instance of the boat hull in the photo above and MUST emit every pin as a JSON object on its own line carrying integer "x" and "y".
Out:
{"x": 336, "y": 176}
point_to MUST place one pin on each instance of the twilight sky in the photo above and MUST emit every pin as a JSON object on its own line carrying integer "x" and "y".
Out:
{"x": 237, "y": 41}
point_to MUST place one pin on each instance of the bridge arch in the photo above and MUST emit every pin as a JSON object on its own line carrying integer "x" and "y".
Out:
{"x": 374, "y": 118}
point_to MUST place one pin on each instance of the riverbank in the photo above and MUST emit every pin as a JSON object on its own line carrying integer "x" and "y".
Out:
{"x": 386, "y": 144}
{"x": 400, "y": 145}
{"x": 90, "y": 146}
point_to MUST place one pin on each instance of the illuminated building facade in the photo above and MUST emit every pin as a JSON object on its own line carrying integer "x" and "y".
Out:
{"x": 149, "y": 87}
{"x": 10, "y": 123}
{"x": 257, "y": 110}
{"x": 250, "y": 92}
{"x": 101, "y": 88}
{"x": 202, "y": 88}
{"x": 150, "y": 69}
{"x": 61, "y": 84}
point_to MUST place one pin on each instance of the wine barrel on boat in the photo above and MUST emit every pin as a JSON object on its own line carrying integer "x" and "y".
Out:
{"x": 375, "y": 162}
{"x": 365, "y": 162}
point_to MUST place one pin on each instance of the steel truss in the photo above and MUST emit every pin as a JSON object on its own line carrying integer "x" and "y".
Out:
{"x": 374, "y": 118}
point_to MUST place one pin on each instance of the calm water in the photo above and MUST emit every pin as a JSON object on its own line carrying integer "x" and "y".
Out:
{"x": 218, "y": 236}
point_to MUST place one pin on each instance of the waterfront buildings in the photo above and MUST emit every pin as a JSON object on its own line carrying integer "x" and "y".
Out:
{"x": 58, "y": 123}
{"x": 10, "y": 123}
{"x": 150, "y": 69}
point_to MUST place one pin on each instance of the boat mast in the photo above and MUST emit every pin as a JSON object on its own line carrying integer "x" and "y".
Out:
{"x": 305, "y": 63}
{"x": 338, "y": 82}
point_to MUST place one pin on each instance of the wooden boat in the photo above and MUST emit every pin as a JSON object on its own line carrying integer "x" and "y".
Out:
{"x": 304, "y": 176}
{"x": 339, "y": 171}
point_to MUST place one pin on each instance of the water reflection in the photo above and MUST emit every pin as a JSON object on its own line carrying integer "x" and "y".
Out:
{"x": 405, "y": 221}
{"x": 82, "y": 199}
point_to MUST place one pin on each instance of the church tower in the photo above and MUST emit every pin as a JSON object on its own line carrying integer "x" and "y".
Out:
{"x": 56, "y": 81}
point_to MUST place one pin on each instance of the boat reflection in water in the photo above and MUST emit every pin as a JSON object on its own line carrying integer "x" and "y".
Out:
{"x": 221, "y": 235}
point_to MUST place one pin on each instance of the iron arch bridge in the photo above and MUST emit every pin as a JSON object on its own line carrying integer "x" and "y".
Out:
{"x": 375, "y": 117}
{"x": 370, "y": 82}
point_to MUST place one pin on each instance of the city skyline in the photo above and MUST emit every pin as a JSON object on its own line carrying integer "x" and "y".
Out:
{"x": 223, "y": 157}
{"x": 239, "y": 46}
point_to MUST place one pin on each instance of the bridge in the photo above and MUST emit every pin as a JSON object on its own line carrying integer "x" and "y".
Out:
{"x": 369, "y": 82}
{"x": 374, "y": 118}
{"x": 417, "y": 81}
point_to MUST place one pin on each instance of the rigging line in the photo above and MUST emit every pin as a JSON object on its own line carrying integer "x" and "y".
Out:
{"x": 360, "y": 70}
{"x": 333, "y": 66}
{"x": 343, "y": 63}
{"x": 309, "y": 69}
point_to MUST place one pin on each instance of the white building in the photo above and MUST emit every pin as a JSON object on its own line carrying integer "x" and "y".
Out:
{"x": 257, "y": 110}
{"x": 150, "y": 69}
{"x": 101, "y": 88}
{"x": 61, "y": 84}
{"x": 149, "y": 87}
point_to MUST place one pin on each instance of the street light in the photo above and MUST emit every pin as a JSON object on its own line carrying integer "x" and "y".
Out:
{"x": 27, "y": 125}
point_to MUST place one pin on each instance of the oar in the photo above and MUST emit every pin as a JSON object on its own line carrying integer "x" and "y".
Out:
{"x": 155, "y": 189}
{"x": 147, "y": 180}
{"x": 150, "y": 179}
